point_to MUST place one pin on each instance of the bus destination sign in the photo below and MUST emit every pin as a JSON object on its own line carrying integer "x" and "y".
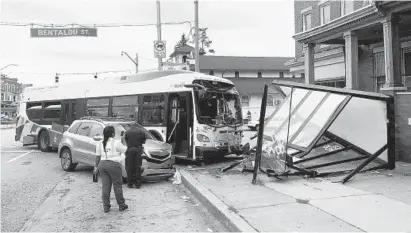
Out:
{"x": 63, "y": 32}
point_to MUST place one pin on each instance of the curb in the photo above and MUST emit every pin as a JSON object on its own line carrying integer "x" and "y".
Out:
{"x": 219, "y": 209}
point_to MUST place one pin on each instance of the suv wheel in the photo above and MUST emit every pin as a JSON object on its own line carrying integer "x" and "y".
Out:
{"x": 66, "y": 162}
{"x": 43, "y": 141}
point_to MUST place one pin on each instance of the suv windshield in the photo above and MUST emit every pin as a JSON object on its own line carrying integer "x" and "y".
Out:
{"x": 219, "y": 104}
{"x": 121, "y": 128}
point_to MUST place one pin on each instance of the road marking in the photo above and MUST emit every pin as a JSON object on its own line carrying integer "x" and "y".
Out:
{"x": 11, "y": 160}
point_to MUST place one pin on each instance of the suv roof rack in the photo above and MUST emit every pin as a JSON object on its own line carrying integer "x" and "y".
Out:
{"x": 102, "y": 119}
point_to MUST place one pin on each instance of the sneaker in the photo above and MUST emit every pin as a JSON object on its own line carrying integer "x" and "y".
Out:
{"x": 123, "y": 207}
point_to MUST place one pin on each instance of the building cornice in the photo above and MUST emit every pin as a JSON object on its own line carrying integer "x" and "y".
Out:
{"x": 337, "y": 27}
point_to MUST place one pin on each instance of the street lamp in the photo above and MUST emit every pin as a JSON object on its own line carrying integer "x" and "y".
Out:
{"x": 135, "y": 62}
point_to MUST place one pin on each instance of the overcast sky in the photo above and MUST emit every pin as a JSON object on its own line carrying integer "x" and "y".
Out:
{"x": 237, "y": 28}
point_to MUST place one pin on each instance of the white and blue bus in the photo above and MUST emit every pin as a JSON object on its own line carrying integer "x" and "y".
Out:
{"x": 200, "y": 115}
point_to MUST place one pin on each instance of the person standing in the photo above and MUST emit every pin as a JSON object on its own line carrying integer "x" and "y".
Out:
{"x": 108, "y": 163}
{"x": 135, "y": 138}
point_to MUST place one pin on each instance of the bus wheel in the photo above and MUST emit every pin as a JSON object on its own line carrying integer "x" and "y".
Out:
{"x": 43, "y": 141}
{"x": 66, "y": 162}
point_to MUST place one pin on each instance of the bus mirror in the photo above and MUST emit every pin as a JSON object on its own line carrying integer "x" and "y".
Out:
{"x": 98, "y": 138}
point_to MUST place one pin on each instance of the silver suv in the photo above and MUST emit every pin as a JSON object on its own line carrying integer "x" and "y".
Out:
{"x": 78, "y": 145}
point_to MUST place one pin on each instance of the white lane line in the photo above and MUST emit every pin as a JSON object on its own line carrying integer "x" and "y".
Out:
{"x": 13, "y": 159}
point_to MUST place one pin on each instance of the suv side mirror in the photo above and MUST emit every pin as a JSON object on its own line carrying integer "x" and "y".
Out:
{"x": 98, "y": 138}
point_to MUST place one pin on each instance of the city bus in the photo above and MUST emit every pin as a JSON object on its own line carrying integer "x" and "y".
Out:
{"x": 198, "y": 114}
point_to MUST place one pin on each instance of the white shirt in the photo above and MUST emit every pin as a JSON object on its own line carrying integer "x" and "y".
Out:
{"x": 114, "y": 150}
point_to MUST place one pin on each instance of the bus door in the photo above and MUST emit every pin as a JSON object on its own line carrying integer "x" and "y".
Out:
{"x": 178, "y": 123}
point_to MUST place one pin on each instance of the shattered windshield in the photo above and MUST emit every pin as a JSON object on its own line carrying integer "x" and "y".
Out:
{"x": 218, "y": 104}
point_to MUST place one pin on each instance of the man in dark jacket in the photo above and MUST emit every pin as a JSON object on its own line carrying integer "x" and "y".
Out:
{"x": 135, "y": 138}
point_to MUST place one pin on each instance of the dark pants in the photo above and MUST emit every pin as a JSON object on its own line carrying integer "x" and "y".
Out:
{"x": 111, "y": 175}
{"x": 133, "y": 165}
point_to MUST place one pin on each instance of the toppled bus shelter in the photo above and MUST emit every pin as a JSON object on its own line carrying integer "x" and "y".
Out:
{"x": 320, "y": 131}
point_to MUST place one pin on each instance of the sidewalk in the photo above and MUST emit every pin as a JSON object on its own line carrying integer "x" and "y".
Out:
{"x": 373, "y": 201}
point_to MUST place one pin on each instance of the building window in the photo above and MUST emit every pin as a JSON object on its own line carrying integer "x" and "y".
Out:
{"x": 325, "y": 13}
{"x": 211, "y": 72}
{"x": 270, "y": 100}
{"x": 339, "y": 83}
{"x": 303, "y": 75}
{"x": 281, "y": 74}
{"x": 346, "y": 7}
{"x": 245, "y": 100}
{"x": 306, "y": 21}
{"x": 293, "y": 76}
{"x": 237, "y": 74}
{"x": 259, "y": 74}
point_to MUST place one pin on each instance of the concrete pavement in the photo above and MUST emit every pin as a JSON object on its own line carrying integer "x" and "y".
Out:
{"x": 374, "y": 201}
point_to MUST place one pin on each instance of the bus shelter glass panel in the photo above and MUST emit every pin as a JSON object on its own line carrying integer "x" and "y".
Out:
{"x": 369, "y": 115}
{"x": 327, "y": 130}
{"x": 318, "y": 120}
{"x": 301, "y": 114}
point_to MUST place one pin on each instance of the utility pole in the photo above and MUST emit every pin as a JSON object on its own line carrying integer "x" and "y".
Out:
{"x": 160, "y": 60}
{"x": 136, "y": 63}
{"x": 197, "y": 42}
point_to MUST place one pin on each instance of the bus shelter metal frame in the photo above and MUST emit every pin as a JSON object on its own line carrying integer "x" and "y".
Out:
{"x": 302, "y": 152}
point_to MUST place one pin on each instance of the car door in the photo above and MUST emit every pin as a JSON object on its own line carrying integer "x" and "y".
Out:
{"x": 81, "y": 142}
{"x": 96, "y": 130}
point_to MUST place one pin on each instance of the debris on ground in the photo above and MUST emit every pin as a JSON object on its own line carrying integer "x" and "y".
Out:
{"x": 176, "y": 178}
{"x": 185, "y": 198}
{"x": 209, "y": 230}
{"x": 196, "y": 204}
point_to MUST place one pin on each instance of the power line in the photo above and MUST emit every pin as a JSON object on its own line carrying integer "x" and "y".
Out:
{"x": 107, "y": 25}
{"x": 81, "y": 73}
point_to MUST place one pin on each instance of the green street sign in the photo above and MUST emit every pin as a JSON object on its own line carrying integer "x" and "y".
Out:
{"x": 63, "y": 32}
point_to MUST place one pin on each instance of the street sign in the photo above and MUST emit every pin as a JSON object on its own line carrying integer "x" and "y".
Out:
{"x": 63, "y": 32}
{"x": 159, "y": 49}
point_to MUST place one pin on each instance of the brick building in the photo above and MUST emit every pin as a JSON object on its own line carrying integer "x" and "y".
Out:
{"x": 362, "y": 45}
{"x": 249, "y": 74}
{"x": 10, "y": 95}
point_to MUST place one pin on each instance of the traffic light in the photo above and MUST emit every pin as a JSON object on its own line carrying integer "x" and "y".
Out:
{"x": 95, "y": 76}
{"x": 57, "y": 78}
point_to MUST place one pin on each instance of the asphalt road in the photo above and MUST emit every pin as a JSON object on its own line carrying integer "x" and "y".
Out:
{"x": 37, "y": 195}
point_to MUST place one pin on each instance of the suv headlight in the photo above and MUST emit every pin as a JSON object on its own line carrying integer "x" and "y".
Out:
{"x": 202, "y": 138}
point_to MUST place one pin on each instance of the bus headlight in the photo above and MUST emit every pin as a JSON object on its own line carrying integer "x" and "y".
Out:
{"x": 202, "y": 138}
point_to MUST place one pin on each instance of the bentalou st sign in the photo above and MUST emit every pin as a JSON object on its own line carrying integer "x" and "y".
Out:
{"x": 63, "y": 32}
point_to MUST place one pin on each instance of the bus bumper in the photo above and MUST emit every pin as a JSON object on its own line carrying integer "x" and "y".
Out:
{"x": 214, "y": 152}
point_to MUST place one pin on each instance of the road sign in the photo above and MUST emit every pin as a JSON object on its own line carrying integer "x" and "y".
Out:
{"x": 159, "y": 49}
{"x": 63, "y": 32}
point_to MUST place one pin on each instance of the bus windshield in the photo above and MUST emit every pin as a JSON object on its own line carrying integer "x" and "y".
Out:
{"x": 218, "y": 106}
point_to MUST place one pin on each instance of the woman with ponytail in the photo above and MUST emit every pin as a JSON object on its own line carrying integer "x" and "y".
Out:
{"x": 108, "y": 163}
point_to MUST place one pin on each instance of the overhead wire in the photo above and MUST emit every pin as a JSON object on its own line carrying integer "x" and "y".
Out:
{"x": 105, "y": 25}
